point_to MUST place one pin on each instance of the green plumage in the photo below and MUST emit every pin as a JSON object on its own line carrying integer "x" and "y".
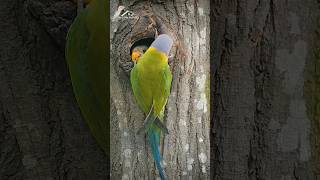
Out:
{"x": 86, "y": 54}
{"x": 151, "y": 83}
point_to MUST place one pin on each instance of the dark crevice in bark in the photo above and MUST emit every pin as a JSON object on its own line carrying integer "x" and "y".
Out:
{"x": 263, "y": 67}
{"x": 218, "y": 109}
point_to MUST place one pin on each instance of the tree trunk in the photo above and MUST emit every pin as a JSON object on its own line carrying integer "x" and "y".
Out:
{"x": 42, "y": 133}
{"x": 264, "y": 88}
{"x": 265, "y": 60}
{"x": 186, "y": 149}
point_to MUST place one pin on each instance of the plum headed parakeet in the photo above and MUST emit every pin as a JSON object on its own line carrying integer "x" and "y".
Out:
{"x": 86, "y": 55}
{"x": 151, "y": 83}
{"x": 137, "y": 52}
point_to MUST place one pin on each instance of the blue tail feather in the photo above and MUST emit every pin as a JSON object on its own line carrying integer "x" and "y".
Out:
{"x": 154, "y": 139}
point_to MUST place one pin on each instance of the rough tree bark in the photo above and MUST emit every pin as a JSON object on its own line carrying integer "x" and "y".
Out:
{"x": 42, "y": 134}
{"x": 265, "y": 92}
{"x": 186, "y": 148}
{"x": 265, "y": 89}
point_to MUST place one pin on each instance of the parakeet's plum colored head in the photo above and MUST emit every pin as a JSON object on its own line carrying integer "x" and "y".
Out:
{"x": 163, "y": 43}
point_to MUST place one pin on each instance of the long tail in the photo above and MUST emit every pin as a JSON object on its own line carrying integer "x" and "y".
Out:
{"x": 154, "y": 139}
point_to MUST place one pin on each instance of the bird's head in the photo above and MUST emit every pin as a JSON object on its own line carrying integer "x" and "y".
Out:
{"x": 162, "y": 44}
{"x": 137, "y": 52}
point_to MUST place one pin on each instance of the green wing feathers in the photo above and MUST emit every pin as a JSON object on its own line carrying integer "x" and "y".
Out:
{"x": 151, "y": 84}
{"x": 143, "y": 99}
{"x": 151, "y": 93}
{"x": 167, "y": 79}
{"x": 156, "y": 92}
{"x": 86, "y": 54}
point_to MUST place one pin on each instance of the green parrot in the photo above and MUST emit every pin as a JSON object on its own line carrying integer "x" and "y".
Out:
{"x": 151, "y": 83}
{"x": 86, "y": 55}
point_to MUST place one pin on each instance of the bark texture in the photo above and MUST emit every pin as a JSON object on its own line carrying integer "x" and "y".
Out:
{"x": 186, "y": 148}
{"x": 265, "y": 125}
{"x": 42, "y": 134}
{"x": 264, "y": 81}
